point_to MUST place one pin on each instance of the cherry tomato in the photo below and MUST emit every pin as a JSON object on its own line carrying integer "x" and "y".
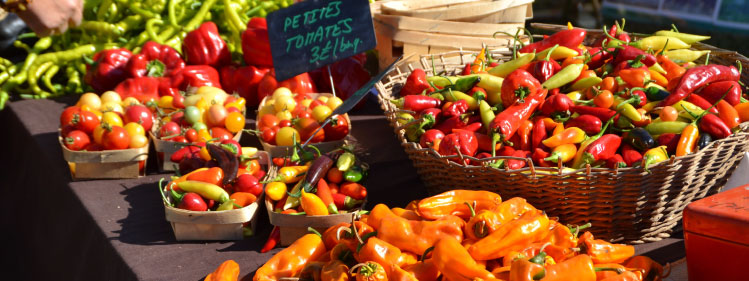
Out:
{"x": 110, "y": 96}
{"x": 130, "y": 101}
{"x": 86, "y": 121}
{"x": 282, "y": 92}
{"x": 135, "y": 129}
{"x": 111, "y": 118}
{"x": 181, "y": 139}
{"x": 216, "y": 115}
{"x": 166, "y": 102}
{"x": 94, "y": 147}
{"x": 204, "y": 136}
{"x": 90, "y": 99}
{"x": 320, "y": 113}
{"x": 115, "y": 138}
{"x": 334, "y": 102}
{"x": 334, "y": 175}
{"x": 67, "y": 116}
{"x": 192, "y": 114}
{"x": 267, "y": 121}
{"x": 286, "y": 136}
{"x": 191, "y": 135}
{"x": 284, "y": 103}
{"x": 111, "y": 106}
{"x": 99, "y": 133}
{"x": 669, "y": 113}
{"x": 221, "y": 133}
{"x": 178, "y": 101}
{"x": 65, "y": 130}
{"x": 604, "y": 99}
{"x": 76, "y": 140}
{"x": 193, "y": 202}
{"x": 269, "y": 134}
{"x": 141, "y": 115}
{"x": 284, "y": 115}
{"x": 234, "y": 122}
{"x": 179, "y": 118}
{"x": 307, "y": 127}
{"x": 138, "y": 141}
{"x": 315, "y": 103}
{"x": 248, "y": 183}
{"x": 336, "y": 129}
{"x": 199, "y": 126}
{"x": 170, "y": 129}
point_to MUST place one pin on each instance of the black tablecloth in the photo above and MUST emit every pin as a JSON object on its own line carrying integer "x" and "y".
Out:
{"x": 116, "y": 230}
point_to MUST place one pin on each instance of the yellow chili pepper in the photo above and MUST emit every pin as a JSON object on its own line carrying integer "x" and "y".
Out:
{"x": 685, "y": 55}
{"x": 562, "y": 153}
{"x": 293, "y": 201}
{"x": 586, "y": 83}
{"x": 506, "y": 68}
{"x": 558, "y": 53}
{"x": 275, "y": 190}
{"x": 660, "y": 42}
{"x": 564, "y": 76}
{"x": 684, "y": 107}
{"x": 291, "y": 174}
{"x": 313, "y": 205}
{"x": 569, "y": 135}
{"x": 655, "y": 155}
{"x": 207, "y": 190}
{"x": 685, "y": 37}
{"x": 473, "y": 104}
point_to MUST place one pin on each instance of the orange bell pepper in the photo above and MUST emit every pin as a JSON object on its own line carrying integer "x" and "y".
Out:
{"x": 399, "y": 274}
{"x": 413, "y": 205}
{"x": 651, "y": 270}
{"x": 379, "y": 212}
{"x": 488, "y": 221}
{"x": 524, "y": 270}
{"x": 406, "y": 214}
{"x": 600, "y": 275}
{"x": 335, "y": 270}
{"x": 227, "y": 271}
{"x": 624, "y": 276}
{"x": 371, "y": 271}
{"x": 424, "y": 270}
{"x": 454, "y": 203}
{"x": 579, "y": 268}
{"x": 455, "y": 263}
{"x": 635, "y": 77}
{"x": 379, "y": 251}
{"x": 743, "y": 110}
{"x": 604, "y": 252}
{"x": 290, "y": 261}
{"x": 418, "y": 236}
{"x": 529, "y": 228}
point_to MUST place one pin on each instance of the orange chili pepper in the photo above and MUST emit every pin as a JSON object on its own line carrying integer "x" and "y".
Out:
{"x": 227, "y": 271}
{"x": 658, "y": 78}
{"x": 418, "y": 236}
{"x": 173, "y": 184}
{"x": 558, "y": 129}
{"x": 624, "y": 276}
{"x": 524, "y": 131}
{"x": 243, "y": 198}
{"x": 530, "y": 227}
{"x": 673, "y": 70}
{"x": 479, "y": 63}
{"x": 728, "y": 114}
{"x": 379, "y": 251}
{"x": 604, "y": 252}
{"x": 213, "y": 176}
{"x": 556, "y": 253}
{"x": 454, "y": 203}
{"x": 609, "y": 84}
{"x": 371, "y": 271}
{"x": 424, "y": 270}
{"x": 312, "y": 271}
{"x": 743, "y": 110}
{"x": 349, "y": 238}
{"x": 524, "y": 270}
{"x": 651, "y": 270}
{"x": 600, "y": 275}
{"x": 579, "y": 268}
{"x": 340, "y": 252}
{"x": 335, "y": 270}
{"x": 399, "y": 274}
{"x": 290, "y": 261}
{"x": 635, "y": 77}
{"x": 569, "y": 135}
{"x": 488, "y": 221}
{"x": 561, "y": 235}
{"x": 379, "y": 212}
{"x": 331, "y": 237}
{"x": 585, "y": 74}
{"x": 406, "y": 214}
{"x": 407, "y": 258}
{"x": 454, "y": 262}
{"x": 687, "y": 140}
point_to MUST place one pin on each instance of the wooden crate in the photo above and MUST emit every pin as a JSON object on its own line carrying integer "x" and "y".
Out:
{"x": 107, "y": 164}
{"x": 414, "y": 28}
{"x": 292, "y": 227}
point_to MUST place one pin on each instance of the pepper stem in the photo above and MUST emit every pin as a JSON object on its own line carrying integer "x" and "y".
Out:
{"x": 426, "y": 252}
{"x": 312, "y": 230}
{"x": 473, "y": 210}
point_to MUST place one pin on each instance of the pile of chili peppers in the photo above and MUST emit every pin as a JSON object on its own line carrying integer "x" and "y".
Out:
{"x": 458, "y": 235}
{"x": 618, "y": 103}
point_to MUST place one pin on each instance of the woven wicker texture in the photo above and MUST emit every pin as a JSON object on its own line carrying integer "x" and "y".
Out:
{"x": 627, "y": 204}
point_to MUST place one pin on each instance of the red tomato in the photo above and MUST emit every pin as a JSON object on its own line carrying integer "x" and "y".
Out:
{"x": 86, "y": 121}
{"x": 115, "y": 138}
{"x": 315, "y": 103}
{"x": 65, "y": 130}
{"x": 139, "y": 114}
{"x": 216, "y": 116}
{"x": 248, "y": 183}
{"x": 221, "y": 133}
{"x": 178, "y": 101}
{"x": 76, "y": 140}
{"x": 170, "y": 129}
{"x": 67, "y": 116}
{"x": 191, "y": 135}
{"x": 267, "y": 121}
{"x": 181, "y": 139}
{"x": 179, "y": 118}
{"x": 284, "y": 123}
{"x": 269, "y": 134}
{"x": 336, "y": 129}
{"x": 307, "y": 127}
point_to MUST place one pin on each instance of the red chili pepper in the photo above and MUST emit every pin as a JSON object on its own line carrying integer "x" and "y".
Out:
{"x": 455, "y": 122}
{"x": 196, "y": 76}
{"x": 466, "y": 69}
{"x": 603, "y": 40}
{"x": 141, "y": 88}
{"x": 700, "y": 76}
{"x": 460, "y": 140}
{"x": 615, "y": 162}
{"x": 702, "y": 103}
{"x": 524, "y": 133}
{"x": 243, "y": 81}
{"x": 539, "y": 133}
{"x": 473, "y": 127}
{"x": 508, "y": 121}
{"x": 713, "y": 125}
{"x": 627, "y": 53}
{"x": 435, "y": 112}
{"x": 108, "y": 69}
{"x": 570, "y": 38}
{"x": 485, "y": 143}
{"x": 480, "y": 155}
{"x": 432, "y": 137}
{"x": 715, "y": 90}
{"x": 599, "y": 56}
{"x": 556, "y": 104}
{"x": 451, "y": 109}
{"x": 601, "y": 149}
{"x": 631, "y": 156}
{"x": 590, "y": 124}
{"x": 147, "y": 62}
{"x": 517, "y": 86}
{"x": 518, "y": 164}
{"x": 416, "y": 83}
{"x": 418, "y": 103}
{"x": 601, "y": 113}
{"x": 255, "y": 43}
{"x": 539, "y": 157}
{"x": 477, "y": 92}
{"x": 205, "y": 46}
{"x": 670, "y": 140}
{"x": 543, "y": 70}
{"x": 275, "y": 236}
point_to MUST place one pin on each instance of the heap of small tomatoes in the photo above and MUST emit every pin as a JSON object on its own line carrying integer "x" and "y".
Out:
{"x": 105, "y": 123}
{"x": 286, "y": 119}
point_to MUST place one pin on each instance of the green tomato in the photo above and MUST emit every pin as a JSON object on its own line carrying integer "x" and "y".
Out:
{"x": 192, "y": 114}
{"x": 199, "y": 126}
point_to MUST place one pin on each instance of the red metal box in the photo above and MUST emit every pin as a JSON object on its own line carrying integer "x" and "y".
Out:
{"x": 716, "y": 234}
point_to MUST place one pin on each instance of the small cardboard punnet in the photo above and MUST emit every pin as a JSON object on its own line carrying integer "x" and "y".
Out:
{"x": 165, "y": 149}
{"x": 214, "y": 225}
{"x": 283, "y": 151}
{"x": 107, "y": 164}
{"x": 293, "y": 227}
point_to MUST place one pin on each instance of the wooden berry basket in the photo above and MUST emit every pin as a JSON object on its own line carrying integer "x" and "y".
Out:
{"x": 165, "y": 149}
{"x": 293, "y": 227}
{"x": 283, "y": 151}
{"x": 107, "y": 164}
{"x": 215, "y": 225}
{"x": 626, "y": 204}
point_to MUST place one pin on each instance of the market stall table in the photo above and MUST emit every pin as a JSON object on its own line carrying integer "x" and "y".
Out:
{"x": 116, "y": 230}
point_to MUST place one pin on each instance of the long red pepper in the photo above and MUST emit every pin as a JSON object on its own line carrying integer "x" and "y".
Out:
{"x": 630, "y": 155}
{"x": 275, "y": 236}
{"x": 616, "y": 162}
{"x": 599, "y": 56}
{"x": 699, "y": 76}
{"x": 600, "y": 112}
{"x": 417, "y": 102}
{"x": 603, "y": 148}
{"x": 713, "y": 125}
{"x": 570, "y": 38}
{"x": 702, "y": 103}
{"x": 588, "y": 123}
{"x": 508, "y": 121}
{"x": 539, "y": 133}
{"x": 714, "y": 91}
{"x": 447, "y": 126}
{"x": 631, "y": 53}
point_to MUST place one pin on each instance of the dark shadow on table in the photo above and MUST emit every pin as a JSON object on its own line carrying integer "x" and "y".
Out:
{"x": 145, "y": 223}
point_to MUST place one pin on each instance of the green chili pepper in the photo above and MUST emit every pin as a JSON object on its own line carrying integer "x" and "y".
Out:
{"x": 586, "y": 83}
{"x": 487, "y": 115}
{"x": 442, "y": 81}
{"x": 564, "y": 76}
{"x": 33, "y": 77}
{"x": 228, "y": 205}
{"x": 48, "y": 79}
{"x": 353, "y": 175}
{"x": 658, "y": 128}
{"x": 74, "y": 80}
{"x": 465, "y": 84}
{"x": 451, "y": 95}
{"x": 207, "y": 190}
{"x": 626, "y": 107}
{"x": 345, "y": 161}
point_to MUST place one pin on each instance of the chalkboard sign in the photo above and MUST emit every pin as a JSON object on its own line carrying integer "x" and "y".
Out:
{"x": 314, "y": 33}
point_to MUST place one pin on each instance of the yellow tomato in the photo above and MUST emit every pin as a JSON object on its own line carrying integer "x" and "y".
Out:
{"x": 284, "y": 103}
{"x": 130, "y": 101}
{"x": 321, "y": 112}
{"x": 284, "y": 115}
{"x": 286, "y": 136}
{"x": 212, "y": 95}
{"x": 166, "y": 102}
{"x": 306, "y": 102}
{"x": 282, "y": 92}
{"x": 202, "y": 104}
{"x": 91, "y": 100}
{"x": 334, "y": 102}
{"x": 241, "y": 102}
{"x": 204, "y": 136}
{"x": 138, "y": 141}
{"x": 266, "y": 109}
{"x": 323, "y": 99}
{"x": 234, "y": 122}
{"x": 134, "y": 129}
{"x": 111, "y": 118}
{"x": 110, "y": 96}
{"x": 86, "y": 107}
{"x": 98, "y": 133}
{"x": 112, "y": 106}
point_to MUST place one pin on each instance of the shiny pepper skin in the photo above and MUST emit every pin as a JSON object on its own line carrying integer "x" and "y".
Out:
{"x": 416, "y": 83}
{"x": 290, "y": 261}
{"x": 255, "y": 43}
{"x": 108, "y": 70}
{"x": 453, "y": 203}
{"x": 452, "y": 259}
{"x": 418, "y": 236}
{"x": 518, "y": 86}
{"x": 530, "y": 227}
{"x": 460, "y": 140}
{"x": 205, "y": 46}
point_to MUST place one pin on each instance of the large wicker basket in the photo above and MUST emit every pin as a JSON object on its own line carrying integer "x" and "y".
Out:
{"x": 627, "y": 204}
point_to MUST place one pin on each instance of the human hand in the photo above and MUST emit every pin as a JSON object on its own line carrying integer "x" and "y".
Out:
{"x": 48, "y": 17}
